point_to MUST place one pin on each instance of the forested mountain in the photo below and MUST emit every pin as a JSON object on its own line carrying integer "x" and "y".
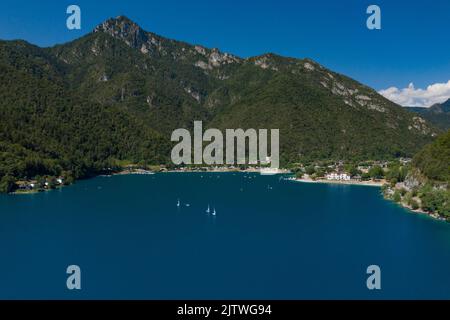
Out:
{"x": 118, "y": 92}
{"x": 433, "y": 160}
{"x": 47, "y": 127}
{"x": 430, "y": 177}
{"x": 438, "y": 114}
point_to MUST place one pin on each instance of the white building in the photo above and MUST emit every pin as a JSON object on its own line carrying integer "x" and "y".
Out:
{"x": 338, "y": 176}
{"x": 266, "y": 161}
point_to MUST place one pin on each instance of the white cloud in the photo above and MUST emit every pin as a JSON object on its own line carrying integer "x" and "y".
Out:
{"x": 412, "y": 97}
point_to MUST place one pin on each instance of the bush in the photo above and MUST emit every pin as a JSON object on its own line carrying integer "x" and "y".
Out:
{"x": 310, "y": 170}
{"x": 7, "y": 184}
{"x": 414, "y": 204}
{"x": 365, "y": 176}
{"x": 436, "y": 201}
{"x": 397, "y": 197}
{"x": 376, "y": 172}
{"x": 408, "y": 198}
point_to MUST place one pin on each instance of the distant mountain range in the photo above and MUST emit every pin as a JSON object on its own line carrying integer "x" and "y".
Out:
{"x": 118, "y": 92}
{"x": 438, "y": 114}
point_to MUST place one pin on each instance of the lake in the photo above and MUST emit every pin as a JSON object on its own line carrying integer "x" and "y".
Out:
{"x": 270, "y": 239}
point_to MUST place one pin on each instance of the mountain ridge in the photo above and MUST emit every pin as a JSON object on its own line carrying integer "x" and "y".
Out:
{"x": 145, "y": 86}
{"x": 438, "y": 114}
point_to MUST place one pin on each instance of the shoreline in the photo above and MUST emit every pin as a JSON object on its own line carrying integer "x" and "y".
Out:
{"x": 129, "y": 171}
{"x": 421, "y": 212}
{"x": 370, "y": 183}
{"x": 215, "y": 170}
{"x": 376, "y": 184}
{"x": 344, "y": 182}
{"x": 35, "y": 191}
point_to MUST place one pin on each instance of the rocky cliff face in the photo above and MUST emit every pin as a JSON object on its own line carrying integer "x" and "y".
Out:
{"x": 438, "y": 114}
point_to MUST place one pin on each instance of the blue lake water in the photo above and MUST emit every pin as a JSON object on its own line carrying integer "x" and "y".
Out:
{"x": 270, "y": 239}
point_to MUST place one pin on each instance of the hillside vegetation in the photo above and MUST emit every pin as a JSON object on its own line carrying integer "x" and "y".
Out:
{"x": 117, "y": 93}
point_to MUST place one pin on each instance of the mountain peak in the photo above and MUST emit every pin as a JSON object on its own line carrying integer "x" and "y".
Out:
{"x": 134, "y": 36}
{"x": 446, "y": 105}
{"x": 443, "y": 107}
{"x": 128, "y": 31}
{"x": 123, "y": 18}
{"x": 118, "y": 25}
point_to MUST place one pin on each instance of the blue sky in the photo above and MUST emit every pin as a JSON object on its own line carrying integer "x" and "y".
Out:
{"x": 412, "y": 46}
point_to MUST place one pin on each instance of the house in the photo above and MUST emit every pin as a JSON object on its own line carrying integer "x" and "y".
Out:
{"x": 24, "y": 186}
{"x": 405, "y": 160}
{"x": 331, "y": 176}
{"x": 266, "y": 161}
{"x": 363, "y": 169}
{"x": 338, "y": 176}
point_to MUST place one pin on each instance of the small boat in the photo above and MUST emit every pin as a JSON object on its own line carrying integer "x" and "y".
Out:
{"x": 208, "y": 210}
{"x": 178, "y": 203}
{"x": 214, "y": 212}
{"x": 187, "y": 205}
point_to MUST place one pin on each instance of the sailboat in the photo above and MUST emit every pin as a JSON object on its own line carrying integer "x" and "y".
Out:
{"x": 208, "y": 210}
{"x": 178, "y": 203}
{"x": 214, "y": 212}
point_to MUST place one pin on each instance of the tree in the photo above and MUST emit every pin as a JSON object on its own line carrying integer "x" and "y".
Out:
{"x": 397, "y": 197}
{"x": 310, "y": 170}
{"x": 434, "y": 200}
{"x": 397, "y": 173}
{"x": 414, "y": 204}
{"x": 299, "y": 174}
{"x": 376, "y": 172}
{"x": 52, "y": 183}
{"x": 7, "y": 184}
{"x": 40, "y": 182}
{"x": 320, "y": 173}
{"x": 393, "y": 182}
{"x": 365, "y": 176}
{"x": 408, "y": 197}
{"x": 352, "y": 170}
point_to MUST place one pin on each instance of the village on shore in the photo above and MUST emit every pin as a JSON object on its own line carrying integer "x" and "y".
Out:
{"x": 367, "y": 173}
{"x": 390, "y": 176}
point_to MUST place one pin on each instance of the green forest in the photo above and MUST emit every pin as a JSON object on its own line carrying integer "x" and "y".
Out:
{"x": 84, "y": 107}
